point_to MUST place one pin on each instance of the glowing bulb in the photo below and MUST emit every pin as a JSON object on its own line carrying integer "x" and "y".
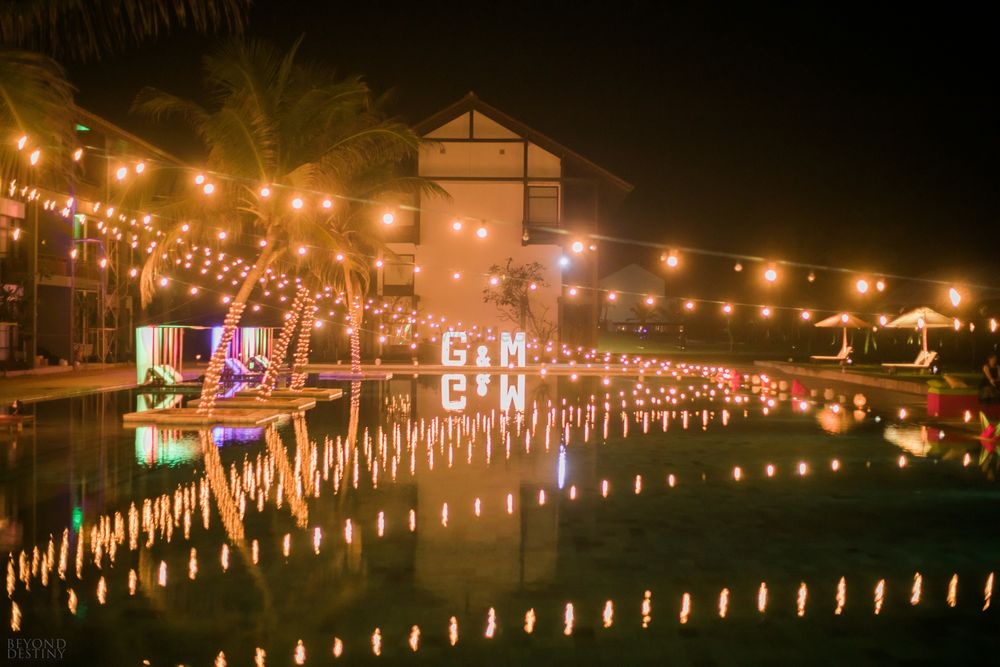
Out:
{"x": 388, "y": 218}
{"x": 612, "y": 296}
{"x": 577, "y": 247}
{"x": 327, "y": 204}
{"x": 265, "y": 192}
{"x": 770, "y": 275}
{"x": 297, "y": 203}
{"x": 862, "y": 286}
{"x": 765, "y": 311}
{"x": 880, "y": 285}
{"x": 689, "y": 305}
{"x": 481, "y": 232}
{"x": 302, "y": 250}
{"x": 456, "y": 225}
{"x": 564, "y": 261}
{"x": 208, "y": 188}
{"x": 672, "y": 261}
{"x": 456, "y": 275}
{"x": 737, "y": 267}
{"x": 121, "y": 173}
{"x": 650, "y": 301}
{"x": 727, "y": 308}
{"x": 35, "y": 156}
{"x": 77, "y": 154}
{"x": 22, "y": 141}
{"x": 954, "y": 297}
{"x": 806, "y": 315}
{"x": 199, "y": 179}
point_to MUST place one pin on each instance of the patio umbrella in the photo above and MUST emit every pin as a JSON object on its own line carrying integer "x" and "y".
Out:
{"x": 845, "y": 321}
{"x": 921, "y": 318}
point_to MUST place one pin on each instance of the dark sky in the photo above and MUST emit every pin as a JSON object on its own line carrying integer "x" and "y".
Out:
{"x": 828, "y": 134}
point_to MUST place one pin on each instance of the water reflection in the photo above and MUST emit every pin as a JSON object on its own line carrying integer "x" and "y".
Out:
{"x": 320, "y": 513}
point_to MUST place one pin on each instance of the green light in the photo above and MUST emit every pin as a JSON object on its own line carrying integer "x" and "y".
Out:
{"x": 82, "y": 128}
{"x": 77, "y": 519}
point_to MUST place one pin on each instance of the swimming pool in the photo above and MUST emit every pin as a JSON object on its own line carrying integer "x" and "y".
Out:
{"x": 680, "y": 517}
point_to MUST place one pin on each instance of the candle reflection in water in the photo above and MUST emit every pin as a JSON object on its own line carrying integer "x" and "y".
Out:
{"x": 685, "y": 608}
{"x": 841, "y": 596}
{"x": 491, "y": 623}
{"x": 529, "y": 621}
{"x": 988, "y": 592}
{"x": 879, "y": 596}
{"x": 608, "y": 615}
{"x": 452, "y": 631}
{"x": 338, "y": 647}
{"x": 915, "y": 592}
{"x": 568, "y": 619}
{"x": 647, "y": 608}
{"x": 762, "y": 597}
{"x": 723, "y": 602}
{"x": 953, "y": 591}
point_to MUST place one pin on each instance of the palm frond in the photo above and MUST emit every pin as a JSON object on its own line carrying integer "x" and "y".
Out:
{"x": 36, "y": 101}
{"x": 88, "y": 29}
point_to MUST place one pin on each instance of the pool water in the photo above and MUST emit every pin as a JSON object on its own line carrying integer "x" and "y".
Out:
{"x": 679, "y": 519}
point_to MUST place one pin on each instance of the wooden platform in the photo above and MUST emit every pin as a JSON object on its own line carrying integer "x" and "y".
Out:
{"x": 363, "y": 376}
{"x": 190, "y": 417}
{"x": 315, "y": 393}
{"x": 251, "y": 403}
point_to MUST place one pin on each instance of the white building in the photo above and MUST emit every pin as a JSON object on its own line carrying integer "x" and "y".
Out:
{"x": 515, "y": 193}
{"x": 632, "y": 284}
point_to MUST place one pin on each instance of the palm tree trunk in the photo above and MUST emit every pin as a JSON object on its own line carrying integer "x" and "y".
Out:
{"x": 301, "y": 357}
{"x": 354, "y": 310}
{"x": 210, "y": 387}
{"x": 270, "y": 379}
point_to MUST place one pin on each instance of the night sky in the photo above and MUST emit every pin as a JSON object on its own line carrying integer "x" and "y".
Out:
{"x": 830, "y": 135}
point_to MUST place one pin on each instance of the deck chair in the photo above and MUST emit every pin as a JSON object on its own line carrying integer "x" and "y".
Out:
{"x": 235, "y": 370}
{"x": 258, "y": 363}
{"x": 163, "y": 375}
{"x": 923, "y": 361}
{"x": 843, "y": 356}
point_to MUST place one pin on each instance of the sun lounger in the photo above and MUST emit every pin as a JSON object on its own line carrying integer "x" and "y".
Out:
{"x": 235, "y": 370}
{"x": 923, "y": 361}
{"x": 163, "y": 375}
{"x": 843, "y": 356}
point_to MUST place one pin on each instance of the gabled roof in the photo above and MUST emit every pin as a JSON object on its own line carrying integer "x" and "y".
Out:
{"x": 471, "y": 102}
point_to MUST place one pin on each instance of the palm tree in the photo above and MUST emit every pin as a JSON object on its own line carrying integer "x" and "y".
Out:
{"x": 36, "y": 100}
{"x": 277, "y": 129}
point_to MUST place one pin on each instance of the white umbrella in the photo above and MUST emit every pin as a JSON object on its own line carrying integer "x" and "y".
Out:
{"x": 844, "y": 320}
{"x": 922, "y": 318}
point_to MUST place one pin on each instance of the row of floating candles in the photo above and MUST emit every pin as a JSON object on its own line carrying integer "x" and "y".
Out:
{"x": 40, "y": 564}
{"x": 721, "y": 608}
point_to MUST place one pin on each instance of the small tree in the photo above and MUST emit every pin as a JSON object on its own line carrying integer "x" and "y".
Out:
{"x": 511, "y": 294}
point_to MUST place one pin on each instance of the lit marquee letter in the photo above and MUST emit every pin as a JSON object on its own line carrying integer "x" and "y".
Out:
{"x": 512, "y": 345}
{"x": 453, "y": 382}
{"x": 509, "y": 393}
{"x": 459, "y": 356}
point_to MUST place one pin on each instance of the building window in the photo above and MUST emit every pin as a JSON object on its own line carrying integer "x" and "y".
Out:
{"x": 543, "y": 203}
{"x": 397, "y": 276}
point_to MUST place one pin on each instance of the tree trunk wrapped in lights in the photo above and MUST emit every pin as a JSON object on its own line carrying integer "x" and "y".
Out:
{"x": 213, "y": 374}
{"x": 301, "y": 357}
{"x": 355, "y": 314}
{"x": 270, "y": 379}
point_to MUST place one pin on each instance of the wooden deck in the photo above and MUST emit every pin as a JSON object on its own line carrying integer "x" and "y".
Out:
{"x": 315, "y": 393}
{"x": 251, "y": 403}
{"x": 190, "y": 417}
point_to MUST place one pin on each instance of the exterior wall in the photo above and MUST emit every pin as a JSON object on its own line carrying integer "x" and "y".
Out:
{"x": 480, "y": 151}
{"x": 442, "y": 252}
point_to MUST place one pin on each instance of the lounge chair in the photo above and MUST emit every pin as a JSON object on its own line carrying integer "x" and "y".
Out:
{"x": 843, "y": 356}
{"x": 258, "y": 363}
{"x": 924, "y": 360}
{"x": 235, "y": 370}
{"x": 163, "y": 375}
